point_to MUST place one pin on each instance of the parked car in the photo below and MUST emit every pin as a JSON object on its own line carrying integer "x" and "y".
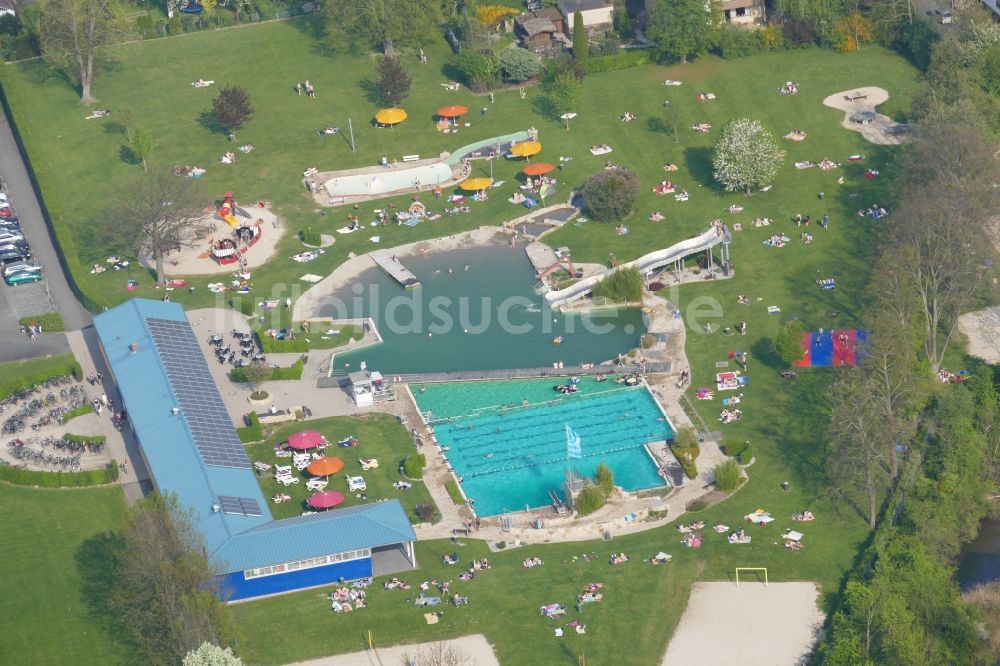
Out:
{"x": 356, "y": 483}
{"x": 9, "y": 235}
{"x": 22, "y": 277}
{"x": 947, "y": 17}
{"x": 23, "y": 267}
{"x": 12, "y": 255}
{"x": 16, "y": 245}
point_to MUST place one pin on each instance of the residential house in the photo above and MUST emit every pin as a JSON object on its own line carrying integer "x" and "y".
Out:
{"x": 541, "y": 30}
{"x": 747, "y": 13}
{"x": 8, "y": 8}
{"x": 598, "y": 15}
{"x": 993, "y": 6}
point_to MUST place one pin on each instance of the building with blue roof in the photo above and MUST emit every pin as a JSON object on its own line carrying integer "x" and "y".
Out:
{"x": 191, "y": 448}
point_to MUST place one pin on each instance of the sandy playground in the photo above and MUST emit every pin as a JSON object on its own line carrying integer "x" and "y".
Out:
{"x": 872, "y": 97}
{"x": 982, "y": 332}
{"x": 197, "y": 260}
{"x": 750, "y": 625}
{"x": 472, "y": 650}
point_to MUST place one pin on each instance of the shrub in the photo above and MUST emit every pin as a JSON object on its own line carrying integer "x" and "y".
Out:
{"x": 93, "y": 477}
{"x": 797, "y": 32}
{"x": 648, "y": 340}
{"x": 479, "y": 70}
{"x": 51, "y": 322}
{"x": 79, "y": 411}
{"x": 426, "y": 512}
{"x": 606, "y": 47}
{"x": 610, "y": 194}
{"x": 605, "y": 479}
{"x": 737, "y": 42}
{"x": 453, "y": 491}
{"x": 788, "y": 341}
{"x": 622, "y": 286}
{"x": 746, "y": 455}
{"x": 85, "y": 439}
{"x": 686, "y": 448}
{"x": 696, "y": 505}
{"x": 581, "y": 48}
{"x": 517, "y": 64}
{"x": 311, "y": 236}
{"x": 413, "y": 465}
{"x": 253, "y": 431}
{"x": 589, "y": 500}
{"x": 617, "y": 62}
{"x": 174, "y": 26}
{"x": 500, "y": 545}
{"x": 727, "y": 476}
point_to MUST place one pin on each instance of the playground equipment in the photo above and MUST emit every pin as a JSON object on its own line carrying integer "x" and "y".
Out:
{"x": 563, "y": 262}
{"x": 229, "y": 210}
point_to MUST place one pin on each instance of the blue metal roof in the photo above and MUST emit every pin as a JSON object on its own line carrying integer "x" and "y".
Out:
{"x": 167, "y": 443}
{"x": 237, "y": 542}
{"x": 335, "y": 531}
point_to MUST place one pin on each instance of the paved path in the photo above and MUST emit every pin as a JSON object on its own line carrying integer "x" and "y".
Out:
{"x": 22, "y": 194}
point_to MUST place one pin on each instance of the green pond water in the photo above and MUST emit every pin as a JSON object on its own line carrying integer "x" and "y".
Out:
{"x": 487, "y": 317}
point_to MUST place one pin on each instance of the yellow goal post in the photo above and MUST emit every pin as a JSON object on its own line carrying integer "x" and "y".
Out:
{"x": 739, "y": 569}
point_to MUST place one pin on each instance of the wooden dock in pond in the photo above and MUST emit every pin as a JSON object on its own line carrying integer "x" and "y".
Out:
{"x": 394, "y": 269}
{"x": 340, "y": 377}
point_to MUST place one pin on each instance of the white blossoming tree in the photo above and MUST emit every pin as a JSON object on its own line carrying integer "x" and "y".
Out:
{"x": 746, "y": 157}
{"x": 211, "y": 655}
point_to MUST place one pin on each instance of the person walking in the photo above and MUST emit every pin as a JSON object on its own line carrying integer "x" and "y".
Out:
{"x": 298, "y": 89}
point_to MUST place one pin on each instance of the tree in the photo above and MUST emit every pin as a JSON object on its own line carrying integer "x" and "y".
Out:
{"x": 684, "y": 28}
{"x": 393, "y": 81}
{"x": 622, "y": 286}
{"x": 788, "y": 341}
{"x": 164, "y": 591}
{"x": 156, "y": 214}
{"x": 562, "y": 92}
{"x": 232, "y": 108}
{"x": 746, "y": 157}
{"x": 479, "y": 70}
{"x": 605, "y": 479}
{"x": 72, "y": 32}
{"x": 519, "y": 64}
{"x": 141, "y": 144}
{"x": 581, "y": 44}
{"x": 610, "y": 194}
{"x": 256, "y": 374}
{"x": 382, "y": 23}
{"x": 857, "y": 460}
{"x": 727, "y": 476}
{"x": 589, "y": 500}
{"x": 211, "y": 655}
{"x": 853, "y": 31}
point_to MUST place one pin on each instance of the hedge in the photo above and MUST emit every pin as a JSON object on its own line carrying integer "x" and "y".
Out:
{"x": 254, "y": 432}
{"x": 614, "y": 63}
{"x": 413, "y": 465}
{"x": 16, "y": 379}
{"x": 85, "y": 439}
{"x": 79, "y": 411}
{"x": 93, "y": 477}
{"x": 51, "y": 322}
{"x": 293, "y": 371}
{"x": 456, "y": 495}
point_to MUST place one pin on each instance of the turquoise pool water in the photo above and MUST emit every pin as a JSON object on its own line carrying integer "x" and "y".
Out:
{"x": 511, "y": 458}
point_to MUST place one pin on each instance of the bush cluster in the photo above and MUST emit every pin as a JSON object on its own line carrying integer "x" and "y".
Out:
{"x": 686, "y": 448}
{"x": 83, "y": 439}
{"x": 426, "y": 512}
{"x": 93, "y": 477}
{"x": 589, "y": 500}
{"x": 413, "y": 465}
{"x": 311, "y": 236}
{"x": 727, "y": 476}
{"x": 610, "y": 194}
{"x": 253, "y": 431}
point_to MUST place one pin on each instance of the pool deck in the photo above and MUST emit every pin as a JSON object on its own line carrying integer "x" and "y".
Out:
{"x": 388, "y": 262}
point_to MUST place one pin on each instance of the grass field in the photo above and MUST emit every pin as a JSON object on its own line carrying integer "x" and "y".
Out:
{"x": 379, "y": 436}
{"x": 47, "y": 538}
{"x": 79, "y": 165}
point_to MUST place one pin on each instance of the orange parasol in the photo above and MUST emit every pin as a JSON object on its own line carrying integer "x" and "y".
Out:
{"x": 537, "y": 169}
{"x": 325, "y": 466}
{"x": 453, "y": 111}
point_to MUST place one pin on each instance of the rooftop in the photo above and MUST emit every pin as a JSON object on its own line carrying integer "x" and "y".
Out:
{"x": 567, "y": 7}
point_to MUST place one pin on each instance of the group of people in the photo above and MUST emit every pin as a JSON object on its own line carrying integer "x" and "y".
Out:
{"x": 730, "y": 415}
{"x": 618, "y": 558}
{"x": 307, "y": 88}
{"x": 627, "y": 117}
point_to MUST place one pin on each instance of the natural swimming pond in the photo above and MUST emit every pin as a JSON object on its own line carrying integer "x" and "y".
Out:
{"x": 509, "y": 456}
{"x": 486, "y": 317}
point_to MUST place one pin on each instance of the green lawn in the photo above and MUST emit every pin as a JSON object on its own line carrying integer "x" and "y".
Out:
{"x": 49, "y": 537}
{"x": 25, "y": 373}
{"x": 380, "y": 436}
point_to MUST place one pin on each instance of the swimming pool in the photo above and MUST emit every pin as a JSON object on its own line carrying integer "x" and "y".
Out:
{"x": 386, "y": 181}
{"x": 510, "y": 458}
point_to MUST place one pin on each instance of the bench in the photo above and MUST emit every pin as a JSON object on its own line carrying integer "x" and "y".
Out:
{"x": 411, "y": 158}
{"x": 853, "y": 97}
{"x": 336, "y": 201}
{"x": 901, "y": 128}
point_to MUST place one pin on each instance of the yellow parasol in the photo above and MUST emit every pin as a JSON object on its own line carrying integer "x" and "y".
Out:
{"x": 526, "y": 149}
{"x": 473, "y": 184}
{"x": 390, "y": 116}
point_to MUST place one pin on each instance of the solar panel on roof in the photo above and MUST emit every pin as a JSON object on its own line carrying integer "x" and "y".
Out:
{"x": 199, "y": 401}
{"x": 239, "y": 506}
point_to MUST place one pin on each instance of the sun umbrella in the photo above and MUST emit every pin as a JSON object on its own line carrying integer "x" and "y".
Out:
{"x": 453, "y": 111}
{"x": 325, "y": 500}
{"x": 526, "y": 149}
{"x": 325, "y": 466}
{"x": 390, "y": 116}
{"x": 307, "y": 439}
{"x": 537, "y": 169}
{"x": 473, "y": 184}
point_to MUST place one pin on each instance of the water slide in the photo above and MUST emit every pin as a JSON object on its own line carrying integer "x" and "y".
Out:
{"x": 646, "y": 264}
{"x": 566, "y": 265}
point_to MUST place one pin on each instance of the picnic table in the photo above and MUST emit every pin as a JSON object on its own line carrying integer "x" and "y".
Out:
{"x": 855, "y": 96}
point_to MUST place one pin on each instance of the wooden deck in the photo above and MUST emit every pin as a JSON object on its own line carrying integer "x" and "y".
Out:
{"x": 339, "y": 378}
{"x": 394, "y": 269}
